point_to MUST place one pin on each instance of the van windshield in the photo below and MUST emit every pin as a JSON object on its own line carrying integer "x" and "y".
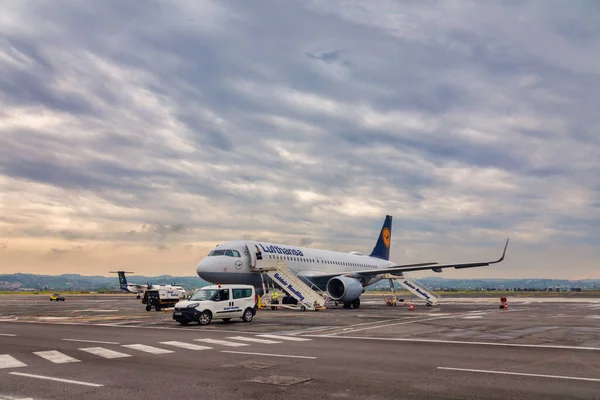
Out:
{"x": 210, "y": 294}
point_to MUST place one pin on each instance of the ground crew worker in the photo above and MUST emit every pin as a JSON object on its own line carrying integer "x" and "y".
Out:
{"x": 274, "y": 300}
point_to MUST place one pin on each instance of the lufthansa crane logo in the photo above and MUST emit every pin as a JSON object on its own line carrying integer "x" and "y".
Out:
{"x": 385, "y": 235}
{"x": 238, "y": 264}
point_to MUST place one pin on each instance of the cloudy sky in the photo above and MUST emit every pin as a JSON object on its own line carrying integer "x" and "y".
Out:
{"x": 139, "y": 134}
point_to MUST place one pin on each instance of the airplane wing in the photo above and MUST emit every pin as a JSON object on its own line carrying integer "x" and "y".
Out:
{"x": 400, "y": 269}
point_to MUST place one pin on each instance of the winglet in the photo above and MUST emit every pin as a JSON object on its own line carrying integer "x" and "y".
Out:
{"x": 503, "y": 254}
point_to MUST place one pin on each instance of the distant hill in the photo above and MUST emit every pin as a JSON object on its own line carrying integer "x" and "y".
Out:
{"x": 76, "y": 282}
{"x": 15, "y": 282}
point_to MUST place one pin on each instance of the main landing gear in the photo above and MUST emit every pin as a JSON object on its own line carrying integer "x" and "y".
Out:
{"x": 352, "y": 304}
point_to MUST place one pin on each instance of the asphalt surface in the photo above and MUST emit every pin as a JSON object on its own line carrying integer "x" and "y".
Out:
{"x": 462, "y": 349}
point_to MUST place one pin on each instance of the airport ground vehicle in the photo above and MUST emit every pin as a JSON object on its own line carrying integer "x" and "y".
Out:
{"x": 218, "y": 301}
{"x": 57, "y": 297}
{"x": 160, "y": 298}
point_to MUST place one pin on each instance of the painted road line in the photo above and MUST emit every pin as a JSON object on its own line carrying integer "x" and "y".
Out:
{"x": 56, "y": 357}
{"x": 7, "y": 334}
{"x": 250, "y": 339}
{"x": 90, "y": 341}
{"x": 106, "y": 353}
{"x": 184, "y": 345}
{"x": 290, "y": 338}
{"x": 410, "y": 340}
{"x": 385, "y": 325}
{"x": 50, "y": 378}
{"x": 222, "y": 342}
{"x": 267, "y": 354}
{"x": 147, "y": 349}
{"x": 574, "y": 378}
{"x": 7, "y": 361}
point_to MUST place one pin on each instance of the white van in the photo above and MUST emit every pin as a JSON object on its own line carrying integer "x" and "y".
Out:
{"x": 217, "y": 301}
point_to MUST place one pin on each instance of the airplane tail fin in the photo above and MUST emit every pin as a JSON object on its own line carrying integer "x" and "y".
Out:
{"x": 122, "y": 278}
{"x": 382, "y": 248}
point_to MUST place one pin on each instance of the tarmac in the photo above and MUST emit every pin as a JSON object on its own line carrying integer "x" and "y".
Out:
{"x": 109, "y": 347}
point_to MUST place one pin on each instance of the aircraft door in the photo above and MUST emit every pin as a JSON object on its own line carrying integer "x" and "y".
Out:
{"x": 254, "y": 254}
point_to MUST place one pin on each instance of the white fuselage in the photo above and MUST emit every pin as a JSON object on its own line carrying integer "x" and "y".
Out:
{"x": 133, "y": 288}
{"x": 231, "y": 262}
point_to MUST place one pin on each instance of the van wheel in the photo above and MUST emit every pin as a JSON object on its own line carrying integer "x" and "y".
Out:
{"x": 303, "y": 308}
{"x": 148, "y": 307}
{"x": 226, "y": 320}
{"x": 248, "y": 315}
{"x": 205, "y": 318}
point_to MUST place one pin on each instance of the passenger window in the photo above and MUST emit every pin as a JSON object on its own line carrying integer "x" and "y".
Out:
{"x": 222, "y": 295}
{"x": 241, "y": 293}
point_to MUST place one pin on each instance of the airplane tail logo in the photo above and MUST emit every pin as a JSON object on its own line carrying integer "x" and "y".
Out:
{"x": 382, "y": 248}
{"x": 122, "y": 278}
{"x": 387, "y": 236}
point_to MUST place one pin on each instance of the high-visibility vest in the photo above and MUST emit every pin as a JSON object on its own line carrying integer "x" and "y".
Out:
{"x": 275, "y": 295}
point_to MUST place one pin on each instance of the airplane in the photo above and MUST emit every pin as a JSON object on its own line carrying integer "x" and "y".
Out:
{"x": 141, "y": 289}
{"x": 343, "y": 276}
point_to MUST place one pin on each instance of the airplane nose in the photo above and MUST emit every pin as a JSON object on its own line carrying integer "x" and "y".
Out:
{"x": 203, "y": 266}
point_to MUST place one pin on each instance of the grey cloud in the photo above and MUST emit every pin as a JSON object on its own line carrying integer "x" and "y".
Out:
{"x": 304, "y": 122}
{"x": 305, "y": 242}
{"x": 57, "y": 252}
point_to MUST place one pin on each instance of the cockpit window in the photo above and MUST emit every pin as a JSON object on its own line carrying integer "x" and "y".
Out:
{"x": 227, "y": 252}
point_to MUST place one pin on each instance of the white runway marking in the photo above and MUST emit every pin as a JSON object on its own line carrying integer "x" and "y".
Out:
{"x": 147, "y": 349}
{"x": 56, "y": 357}
{"x": 290, "y": 338}
{"x": 106, "y": 353}
{"x": 409, "y": 340}
{"x": 49, "y": 378}
{"x": 575, "y": 378}
{"x": 7, "y": 334}
{"x": 267, "y": 354}
{"x": 185, "y": 345}
{"x": 472, "y": 317}
{"x": 222, "y": 342}
{"x": 89, "y": 341}
{"x": 246, "y": 339}
{"x": 413, "y": 322}
{"x": 7, "y": 361}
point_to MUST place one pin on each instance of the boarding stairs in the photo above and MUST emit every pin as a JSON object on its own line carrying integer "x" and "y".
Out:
{"x": 415, "y": 288}
{"x": 307, "y": 297}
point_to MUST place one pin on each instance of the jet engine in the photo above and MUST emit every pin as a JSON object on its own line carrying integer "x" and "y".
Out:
{"x": 344, "y": 289}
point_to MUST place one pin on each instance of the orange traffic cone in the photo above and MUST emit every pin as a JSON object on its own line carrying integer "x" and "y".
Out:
{"x": 411, "y": 307}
